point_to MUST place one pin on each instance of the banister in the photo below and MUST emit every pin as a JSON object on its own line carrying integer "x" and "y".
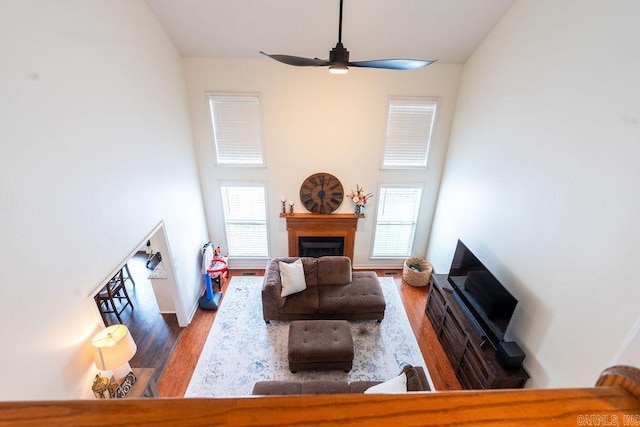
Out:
{"x": 615, "y": 399}
{"x": 626, "y": 377}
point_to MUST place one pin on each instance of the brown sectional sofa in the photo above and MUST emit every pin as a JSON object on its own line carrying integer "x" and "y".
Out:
{"x": 333, "y": 291}
{"x": 416, "y": 381}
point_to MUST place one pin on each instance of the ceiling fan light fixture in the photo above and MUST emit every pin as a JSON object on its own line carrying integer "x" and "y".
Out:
{"x": 338, "y": 69}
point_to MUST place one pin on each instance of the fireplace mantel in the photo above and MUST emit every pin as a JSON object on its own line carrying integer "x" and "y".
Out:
{"x": 312, "y": 225}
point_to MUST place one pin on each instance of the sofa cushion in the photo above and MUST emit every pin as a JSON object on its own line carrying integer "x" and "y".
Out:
{"x": 393, "y": 386}
{"x": 334, "y": 270}
{"x": 416, "y": 380}
{"x": 309, "y": 265}
{"x": 310, "y": 270}
{"x": 292, "y": 278}
{"x": 302, "y": 303}
{"x": 361, "y": 386}
{"x": 324, "y": 387}
{"x": 363, "y": 295}
{"x": 276, "y": 388}
{"x": 413, "y": 381}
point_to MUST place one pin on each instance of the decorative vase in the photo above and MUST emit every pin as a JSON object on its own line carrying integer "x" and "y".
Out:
{"x": 359, "y": 209}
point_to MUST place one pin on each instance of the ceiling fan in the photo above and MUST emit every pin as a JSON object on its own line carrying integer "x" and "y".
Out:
{"x": 338, "y": 62}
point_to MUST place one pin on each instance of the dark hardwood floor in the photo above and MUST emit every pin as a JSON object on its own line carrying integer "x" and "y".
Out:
{"x": 155, "y": 334}
{"x": 181, "y": 364}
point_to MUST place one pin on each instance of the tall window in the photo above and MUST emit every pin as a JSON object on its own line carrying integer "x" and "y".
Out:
{"x": 245, "y": 218}
{"x": 398, "y": 208}
{"x": 409, "y": 127}
{"x": 237, "y": 129}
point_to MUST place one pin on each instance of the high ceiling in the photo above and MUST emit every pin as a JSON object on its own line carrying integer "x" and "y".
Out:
{"x": 447, "y": 30}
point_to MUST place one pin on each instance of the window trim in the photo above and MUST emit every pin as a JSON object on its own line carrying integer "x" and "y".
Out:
{"x": 417, "y": 185}
{"x": 431, "y": 99}
{"x": 208, "y": 95}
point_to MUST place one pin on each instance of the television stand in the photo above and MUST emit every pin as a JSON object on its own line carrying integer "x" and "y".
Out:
{"x": 474, "y": 362}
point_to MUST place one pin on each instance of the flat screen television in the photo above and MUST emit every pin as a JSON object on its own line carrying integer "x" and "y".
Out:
{"x": 481, "y": 295}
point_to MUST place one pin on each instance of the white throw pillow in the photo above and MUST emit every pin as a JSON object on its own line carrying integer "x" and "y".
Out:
{"x": 393, "y": 386}
{"x": 292, "y": 278}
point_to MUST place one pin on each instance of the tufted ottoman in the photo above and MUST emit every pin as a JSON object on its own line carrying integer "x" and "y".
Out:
{"x": 320, "y": 345}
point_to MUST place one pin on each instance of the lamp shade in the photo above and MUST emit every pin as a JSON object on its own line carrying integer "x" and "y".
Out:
{"x": 113, "y": 347}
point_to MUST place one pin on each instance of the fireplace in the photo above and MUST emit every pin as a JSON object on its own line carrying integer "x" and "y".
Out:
{"x": 317, "y": 246}
{"x": 326, "y": 230}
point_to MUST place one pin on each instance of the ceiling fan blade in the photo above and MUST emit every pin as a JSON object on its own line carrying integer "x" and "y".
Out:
{"x": 298, "y": 61}
{"x": 392, "y": 64}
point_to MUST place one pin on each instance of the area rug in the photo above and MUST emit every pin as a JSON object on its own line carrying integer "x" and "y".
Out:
{"x": 242, "y": 349}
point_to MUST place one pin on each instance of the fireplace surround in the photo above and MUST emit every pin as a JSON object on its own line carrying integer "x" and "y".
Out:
{"x": 335, "y": 226}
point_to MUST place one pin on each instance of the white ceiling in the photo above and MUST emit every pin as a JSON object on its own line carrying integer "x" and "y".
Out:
{"x": 447, "y": 30}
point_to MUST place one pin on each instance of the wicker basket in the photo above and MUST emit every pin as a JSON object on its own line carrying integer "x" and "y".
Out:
{"x": 414, "y": 277}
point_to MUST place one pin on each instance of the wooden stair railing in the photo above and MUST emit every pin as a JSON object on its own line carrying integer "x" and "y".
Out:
{"x": 614, "y": 401}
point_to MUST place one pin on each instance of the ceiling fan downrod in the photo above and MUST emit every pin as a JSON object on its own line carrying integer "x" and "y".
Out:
{"x": 340, "y": 25}
{"x": 339, "y": 56}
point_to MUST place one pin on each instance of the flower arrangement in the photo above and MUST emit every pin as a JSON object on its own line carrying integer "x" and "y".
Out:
{"x": 359, "y": 197}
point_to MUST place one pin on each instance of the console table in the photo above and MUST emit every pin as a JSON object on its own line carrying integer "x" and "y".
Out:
{"x": 472, "y": 357}
{"x": 145, "y": 385}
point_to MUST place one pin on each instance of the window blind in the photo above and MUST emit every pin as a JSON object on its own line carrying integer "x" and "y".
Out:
{"x": 237, "y": 129}
{"x": 409, "y": 126}
{"x": 245, "y": 219}
{"x": 398, "y": 209}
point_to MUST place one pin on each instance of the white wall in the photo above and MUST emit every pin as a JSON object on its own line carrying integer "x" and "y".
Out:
{"x": 96, "y": 150}
{"x": 317, "y": 122}
{"x": 542, "y": 180}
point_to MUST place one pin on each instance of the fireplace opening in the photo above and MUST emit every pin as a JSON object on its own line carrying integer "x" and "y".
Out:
{"x": 318, "y": 246}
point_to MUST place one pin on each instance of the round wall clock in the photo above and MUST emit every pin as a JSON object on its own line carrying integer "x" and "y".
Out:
{"x": 321, "y": 193}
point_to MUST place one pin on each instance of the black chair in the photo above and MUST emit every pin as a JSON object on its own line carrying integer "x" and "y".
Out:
{"x": 113, "y": 297}
{"x": 128, "y": 275}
